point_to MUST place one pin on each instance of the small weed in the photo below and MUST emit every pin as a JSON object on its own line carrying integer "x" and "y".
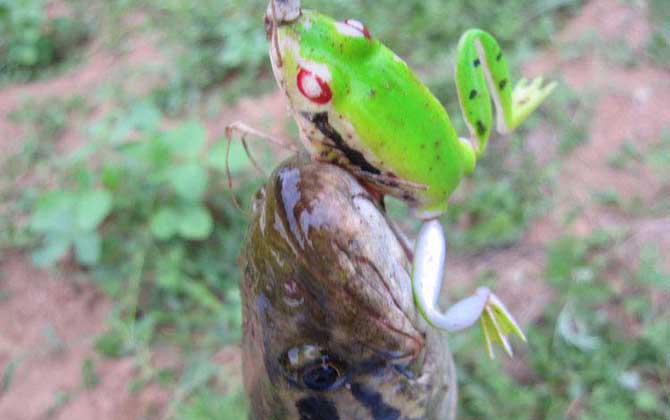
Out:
{"x": 55, "y": 343}
{"x": 626, "y": 156}
{"x": 207, "y": 404}
{"x": 616, "y": 51}
{"x": 8, "y": 375}
{"x": 198, "y": 393}
{"x": 581, "y": 365}
{"x": 89, "y": 377}
{"x": 44, "y": 123}
{"x": 632, "y": 158}
{"x": 650, "y": 273}
{"x": 620, "y": 53}
{"x": 60, "y": 400}
{"x": 504, "y": 198}
{"x": 610, "y": 198}
{"x": 658, "y": 47}
{"x": 31, "y": 43}
{"x": 147, "y": 213}
{"x": 658, "y": 157}
{"x": 67, "y": 219}
{"x": 584, "y": 45}
{"x": 572, "y": 113}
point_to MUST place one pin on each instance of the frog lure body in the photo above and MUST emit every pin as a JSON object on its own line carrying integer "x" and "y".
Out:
{"x": 359, "y": 106}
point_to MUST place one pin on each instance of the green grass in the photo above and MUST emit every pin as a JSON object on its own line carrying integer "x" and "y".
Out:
{"x": 146, "y": 213}
{"x": 32, "y": 43}
{"x": 633, "y": 159}
{"x": 24, "y": 172}
{"x": 658, "y": 47}
{"x": 44, "y": 122}
{"x": 150, "y": 219}
{"x": 502, "y": 197}
{"x": 582, "y": 360}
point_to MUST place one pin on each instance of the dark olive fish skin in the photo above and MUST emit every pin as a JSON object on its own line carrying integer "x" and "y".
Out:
{"x": 330, "y": 327}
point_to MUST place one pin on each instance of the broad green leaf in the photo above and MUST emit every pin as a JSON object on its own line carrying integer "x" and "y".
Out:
{"x": 170, "y": 265}
{"x": 238, "y": 160}
{"x": 144, "y": 117}
{"x": 54, "y": 248}
{"x": 187, "y": 140}
{"x": 169, "y": 278}
{"x": 87, "y": 247}
{"x": 189, "y": 181}
{"x": 83, "y": 177}
{"x": 147, "y": 154}
{"x": 92, "y": 208}
{"x": 646, "y": 400}
{"x": 164, "y": 223}
{"x": 195, "y": 223}
{"x": 54, "y": 212}
{"x": 112, "y": 176}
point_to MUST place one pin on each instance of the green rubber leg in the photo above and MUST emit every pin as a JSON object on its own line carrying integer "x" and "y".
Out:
{"x": 482, "y": 77}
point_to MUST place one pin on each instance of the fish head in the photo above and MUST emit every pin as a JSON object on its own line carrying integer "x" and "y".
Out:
{"x": 330, "y": 324}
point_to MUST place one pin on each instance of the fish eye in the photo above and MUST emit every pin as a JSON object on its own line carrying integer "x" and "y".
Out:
{"x": 321, "y": 376}
{"x": 314, "y": 368}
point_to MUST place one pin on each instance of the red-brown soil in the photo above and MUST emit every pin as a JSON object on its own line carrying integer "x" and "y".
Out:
{"x": 48, "y": 323}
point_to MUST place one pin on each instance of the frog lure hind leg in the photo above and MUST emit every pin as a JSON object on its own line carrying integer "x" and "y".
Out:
{"x": 358, "y": 105}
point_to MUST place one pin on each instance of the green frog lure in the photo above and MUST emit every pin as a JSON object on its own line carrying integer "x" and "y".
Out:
{"x": 358, "y": 105}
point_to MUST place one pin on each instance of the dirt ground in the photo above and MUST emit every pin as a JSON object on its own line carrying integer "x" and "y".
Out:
{"x": 47, "y": 328}
{"x": 48, "y": 323}
{"x": 628, "y": 103}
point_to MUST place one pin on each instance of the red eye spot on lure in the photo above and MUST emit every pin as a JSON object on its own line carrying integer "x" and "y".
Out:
{"x": 357, "y": 25}
{"x": 313, "y": 87}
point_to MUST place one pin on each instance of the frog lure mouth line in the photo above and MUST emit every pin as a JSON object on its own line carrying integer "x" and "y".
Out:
{"x": 360, "y": 106}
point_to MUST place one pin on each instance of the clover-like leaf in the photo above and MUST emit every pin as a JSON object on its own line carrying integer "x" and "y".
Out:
{"x": 195, "y": 223}
{"x": 53, "y": 249}
{"x": 187, "y": 139}
{"x": 164, "y": 223}
{"x": 92, "y": 207}
{"x": 189, "y": 181}
{"x": 237, "y": 157}
{"x": 87, "y": 248}
{"x": 53, "y": 212}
